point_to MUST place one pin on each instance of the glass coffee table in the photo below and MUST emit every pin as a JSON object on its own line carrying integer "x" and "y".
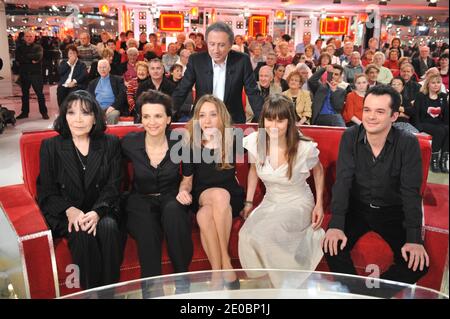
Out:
{"x": 259, "y": 284}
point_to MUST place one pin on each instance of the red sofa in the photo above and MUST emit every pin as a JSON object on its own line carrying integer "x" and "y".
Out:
{"x": 45, "y": 259}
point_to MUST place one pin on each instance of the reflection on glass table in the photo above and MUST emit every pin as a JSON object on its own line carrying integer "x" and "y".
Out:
{"x": 259, "y": 284}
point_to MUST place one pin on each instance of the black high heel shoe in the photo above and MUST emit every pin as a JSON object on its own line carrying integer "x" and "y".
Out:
{"x": 232, "y": 285}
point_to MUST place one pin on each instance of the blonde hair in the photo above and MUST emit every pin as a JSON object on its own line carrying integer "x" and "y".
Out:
{"x": 141, "y": 64}
{"x": 224, "y": 128}
{"x": 425, "y": 87}
{"x": 380, "y": 54}
{"x": 107, "y": 52}
{"x": 360, "y": 75}
{"x": 295, "y": 73}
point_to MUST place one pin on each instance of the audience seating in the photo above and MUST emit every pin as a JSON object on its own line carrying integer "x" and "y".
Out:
{"x": 45, "y": 258}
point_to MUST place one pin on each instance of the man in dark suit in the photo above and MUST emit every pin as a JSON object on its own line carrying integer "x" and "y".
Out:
{"x": 423, "y": 62}
{"x": 221, "y": 72}
{"x": 29, "y": 58}
{"x": 72, "y": 75}
{"x": 110, "y": 92}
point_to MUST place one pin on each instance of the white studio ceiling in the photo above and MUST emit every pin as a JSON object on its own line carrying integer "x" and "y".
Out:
{"x": 348, "y": 6}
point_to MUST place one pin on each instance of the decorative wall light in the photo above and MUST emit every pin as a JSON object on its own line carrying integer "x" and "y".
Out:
{"x": 104, "y": 9}
{"x": 280, "y": 15}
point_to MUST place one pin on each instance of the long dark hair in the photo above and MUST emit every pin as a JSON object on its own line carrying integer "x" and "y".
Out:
{"x": 89, "y": 104}
{"x": 278, "y": 106}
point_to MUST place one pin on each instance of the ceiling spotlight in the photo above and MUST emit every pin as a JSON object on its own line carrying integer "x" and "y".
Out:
{"x": 432, "y": 3}
{"x": 337, "y": 1}
{"x": 382, "y": 3}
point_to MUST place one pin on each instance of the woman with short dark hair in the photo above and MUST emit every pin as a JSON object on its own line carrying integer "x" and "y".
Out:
{"x": 160, "y": 197}
{"x": 78, "y": 189}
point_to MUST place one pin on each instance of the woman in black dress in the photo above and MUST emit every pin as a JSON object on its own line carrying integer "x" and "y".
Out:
{"x": 432, "y": 118}
{"x": 158, "y": 204}
{"x": 216, "y": 192}
{"x": 78, "y": 189}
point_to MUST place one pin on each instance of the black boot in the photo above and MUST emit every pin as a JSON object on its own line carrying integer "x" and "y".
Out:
{"x": 434, "y": 164}
{"x": 444, "y": 162}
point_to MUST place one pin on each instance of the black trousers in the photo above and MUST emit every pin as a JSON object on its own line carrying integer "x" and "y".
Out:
{"x": 149, "y": 219}
{"x": 37, "y": 83}
{"x": 98, "y": 257}
{"x": 62, "y": 92}
{"x": 387, "y": 222}
{"x": 439, "y": 132}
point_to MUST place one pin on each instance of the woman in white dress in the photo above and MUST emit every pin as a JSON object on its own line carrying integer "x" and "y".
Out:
{"x": 284, "y": 231}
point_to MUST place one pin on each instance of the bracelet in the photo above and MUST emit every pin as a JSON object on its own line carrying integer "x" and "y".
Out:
{"x": 248, "y": 202}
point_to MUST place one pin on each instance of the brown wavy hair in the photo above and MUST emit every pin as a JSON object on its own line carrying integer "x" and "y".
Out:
{"x": 225, "y": 128}
{"x": 278, "y": 106}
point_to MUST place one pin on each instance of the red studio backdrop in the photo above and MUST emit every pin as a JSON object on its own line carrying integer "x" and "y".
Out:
{"x": 257, "y": 24}
{"x": 334, "y": 26}
{"x": 171, "y": 22}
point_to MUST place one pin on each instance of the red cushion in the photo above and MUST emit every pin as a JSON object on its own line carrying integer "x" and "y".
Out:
{"x": 26, "y": 218}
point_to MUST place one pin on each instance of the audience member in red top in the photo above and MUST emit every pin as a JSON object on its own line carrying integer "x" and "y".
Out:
{"x": 354, "y": 101}
{"x": 367, "y": 58}
{"x": 153, "y": 39}
{"x": 443, "y": 69}
{"x": 392, "y": 61}
{"x": 132, "y": 85}
{"x": 121, "y": 44}
{"x": 129, "y": 67}
{"x": 283, "y": 57}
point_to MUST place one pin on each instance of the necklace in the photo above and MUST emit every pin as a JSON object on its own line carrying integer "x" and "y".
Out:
{"x": 79, "y": 157}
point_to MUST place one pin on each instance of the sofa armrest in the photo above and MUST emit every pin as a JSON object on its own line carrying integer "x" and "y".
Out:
{"x": 34, "y": 239}
{"x": 22, "y": 210}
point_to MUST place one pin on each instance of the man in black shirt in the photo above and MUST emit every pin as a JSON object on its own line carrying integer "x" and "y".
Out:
{"x": 377, "y": 188}
{"x": 157, "y": 80}
{"x": 29, "y": 58}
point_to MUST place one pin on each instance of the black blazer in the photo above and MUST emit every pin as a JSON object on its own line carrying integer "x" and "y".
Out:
{"x": 79, "y": 73}
{"x": 259, "y": 65}
{"x": 239, "y": 74}
{"x": 416, "y": 65}
{"x": 119, "y": 90}
{"x": 166, "y": 87}
{"x": 60, "y": 185}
